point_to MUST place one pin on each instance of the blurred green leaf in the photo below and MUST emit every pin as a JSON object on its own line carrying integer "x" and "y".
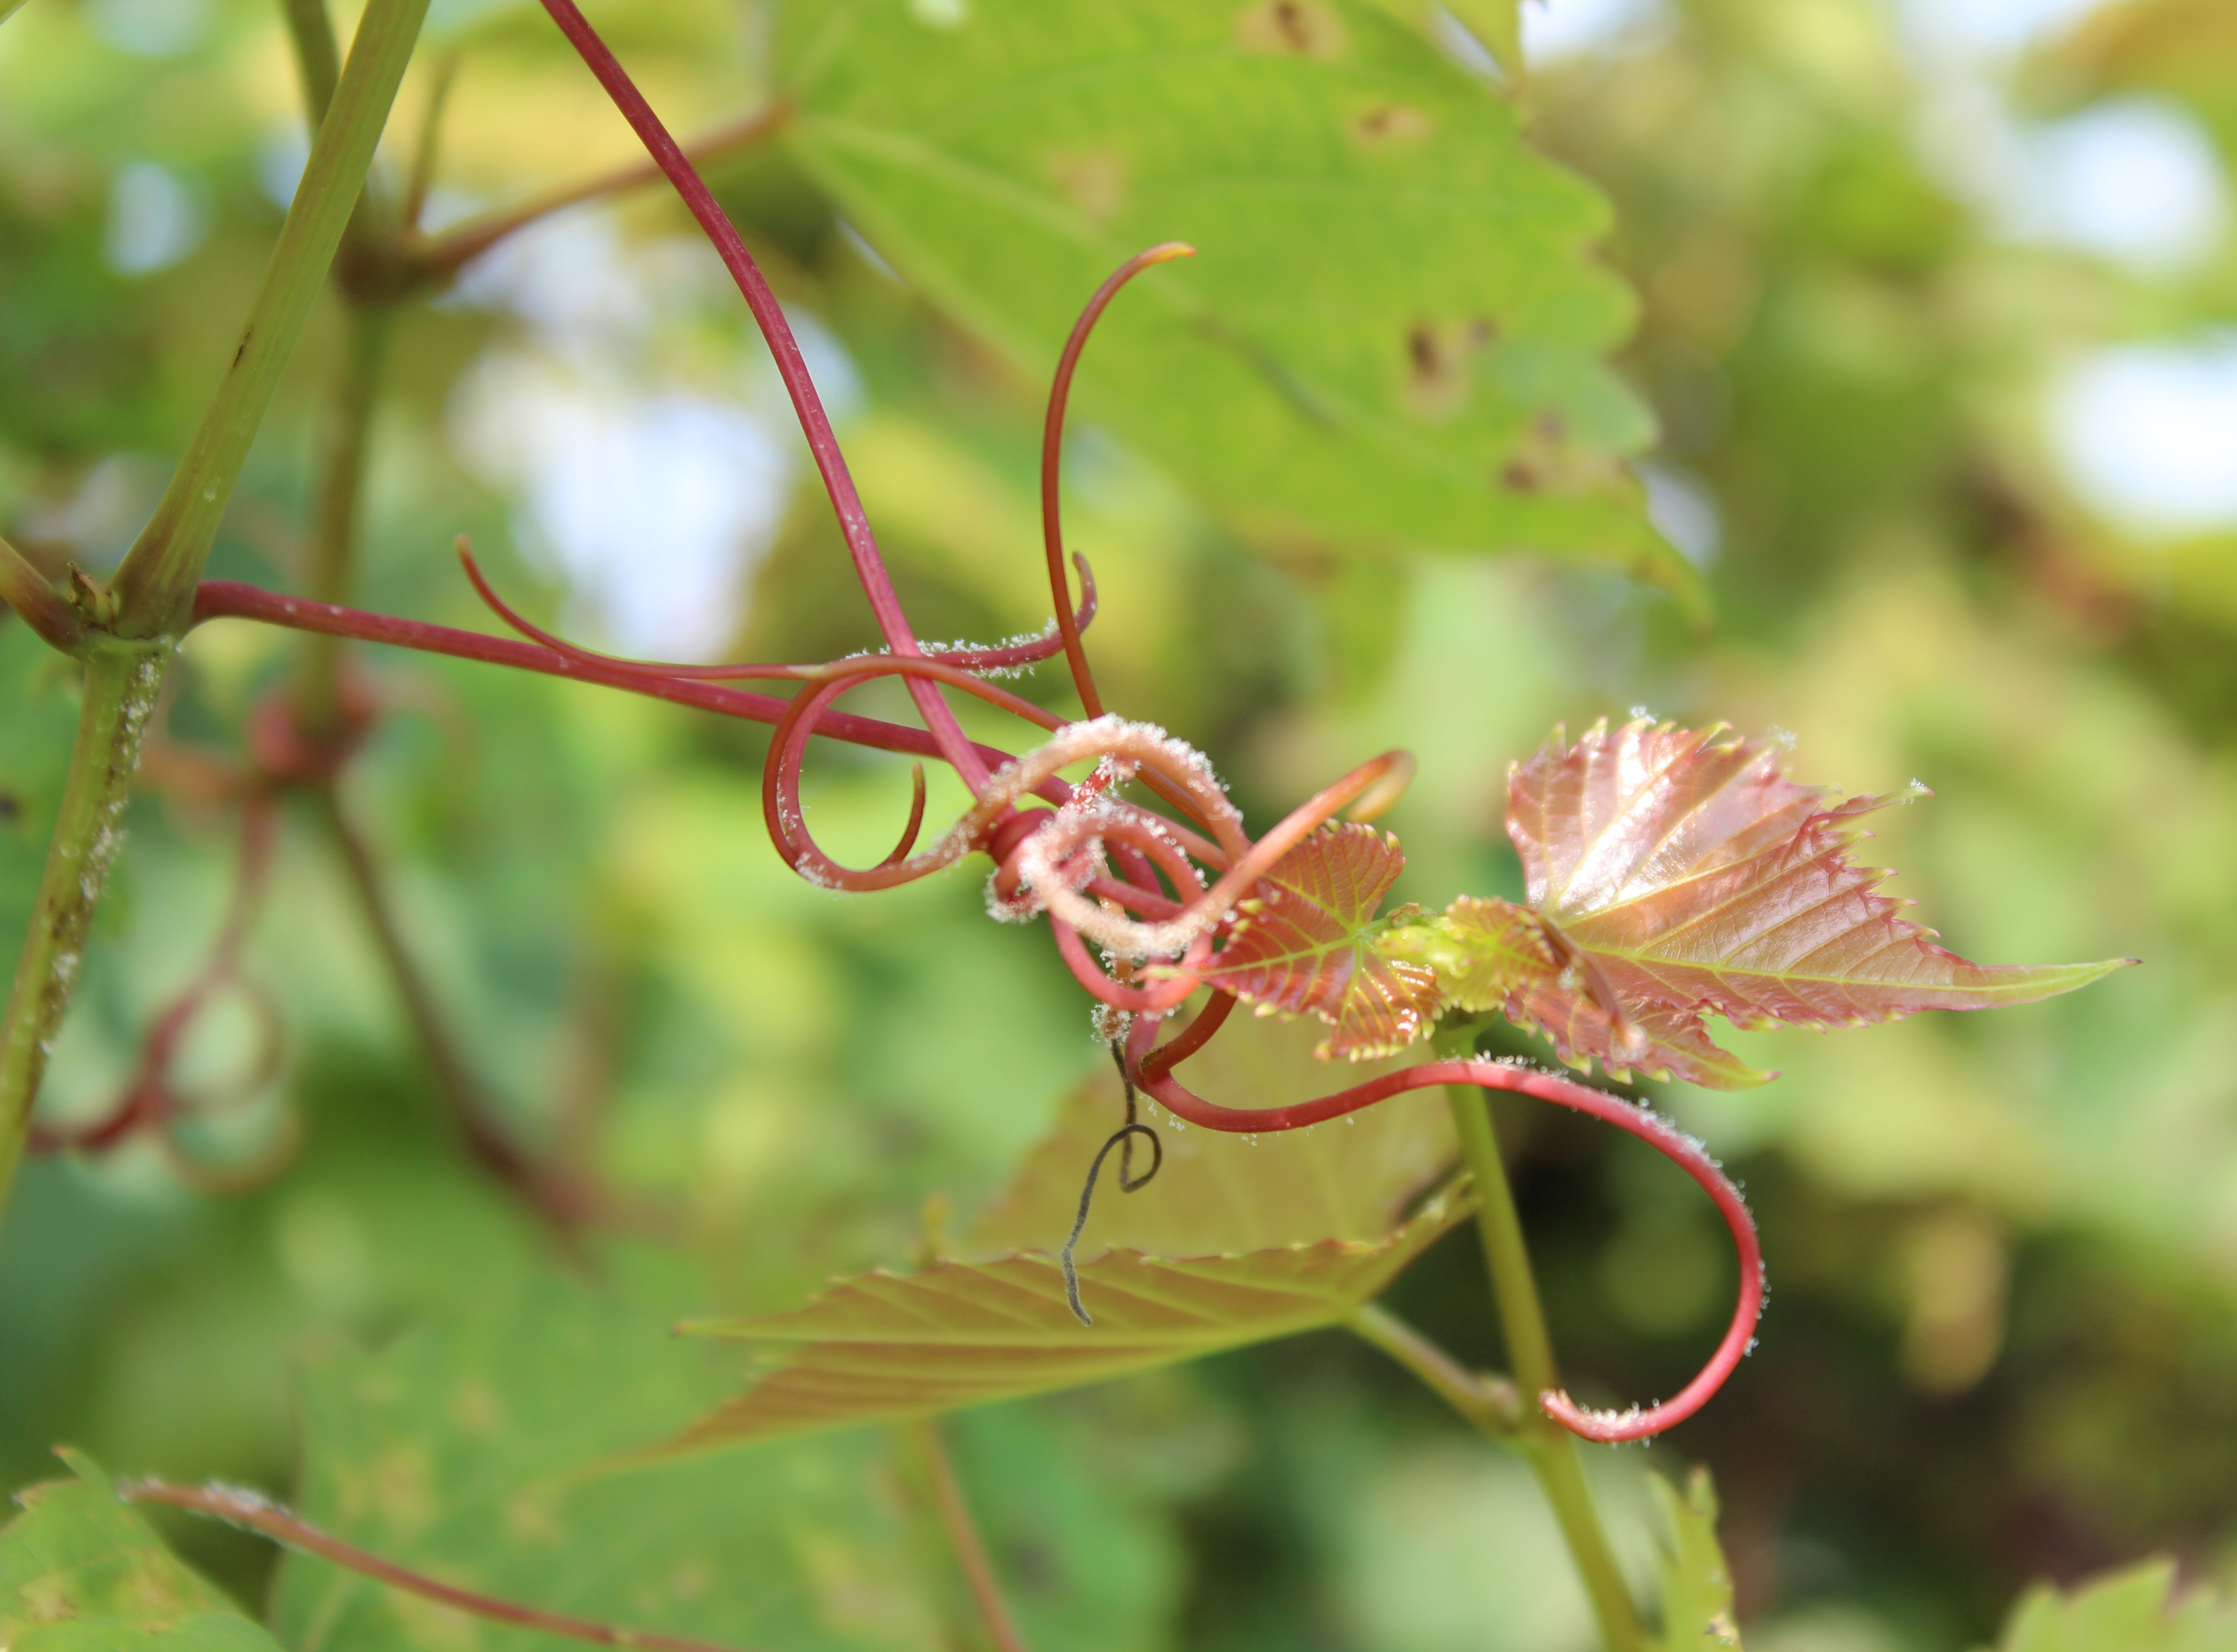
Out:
{"x": 1697, "y": 1584}
{"x": 886, "y": 1345}
{"x": 1080, "y": 1564}
{"x": 469, "y": 1452}
{"x": 2136, "y": 1610}
{"x": 1393, "y": 334}
{"x": 81, "y": 1572}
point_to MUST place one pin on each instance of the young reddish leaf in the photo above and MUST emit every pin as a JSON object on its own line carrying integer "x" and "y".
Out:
{"x": 1657, "y": 1040}
{"x": 1494, "y": 955}
{"x": 1687, "y": 873}
{"x": 886, "y": 1345}
{"x": 1306, "y": 942}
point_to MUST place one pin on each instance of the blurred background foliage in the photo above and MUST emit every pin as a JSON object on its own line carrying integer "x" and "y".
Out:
{"x": 1936, "y": 319}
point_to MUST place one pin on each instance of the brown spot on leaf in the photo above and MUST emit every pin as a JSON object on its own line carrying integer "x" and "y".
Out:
{"x": 1439, "y": 373}
{"x": 1299, "y": 27}
{"x": 11, "y": 808}
{"x": 1391, "y": 123}
{"x": 1036, "y": 1565}
{"x": 1092, "y": 180}
{"x": 1546, "y": 459}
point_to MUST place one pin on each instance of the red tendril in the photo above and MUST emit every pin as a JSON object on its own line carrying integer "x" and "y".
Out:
{"x": 1053, "y": 449}
{"x": 815, "y": 423}
{"x": 1006, "y": 658}
{"x": 1639, "y": 1422}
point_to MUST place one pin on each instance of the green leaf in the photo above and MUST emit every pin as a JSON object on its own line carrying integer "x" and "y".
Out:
{"x": 886, "y": 1345}
{"x": 1305, "y": 942}
{"x": 1219, "y": 1193}
{"x": 1479, "y": 950}
{"x": 1496, "y": 24}
{"x": 1697, "y": 1584}
{"x": 1394, "y": 335}
{"x": 2135, "y": 1611}
{"x": 79, "y": 1570}
{"x": 474, "y": 1453}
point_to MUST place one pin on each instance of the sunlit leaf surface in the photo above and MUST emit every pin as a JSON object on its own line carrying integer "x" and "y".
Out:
{"x": 1438, "y": 382}
{"x": 1656, "y": 1039}
{"x": 1691, "y": 875}
{"x": 885, "y": 1345}
{"x": 1305, "y": 942}
{"x": 79, "y": 1570}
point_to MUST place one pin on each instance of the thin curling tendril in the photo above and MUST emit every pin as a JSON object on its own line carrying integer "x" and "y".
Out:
{"x": 1636, "y": 1422}
{"x": 1124, "y": 1132}
{"x": 1041, "y": 855}
{"x": 1002, "y": 658}
{"x": 1052, "y": 457}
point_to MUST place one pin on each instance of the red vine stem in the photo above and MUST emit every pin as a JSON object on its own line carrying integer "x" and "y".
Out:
{"x": 1190, "y": 1039}
{"x": 231, "y": 600}
{"x": 1001, "y": 658}
{"x": 452, "y": 249}
{"x": 1074, "y": 743}
{"x": 1637, "y": 1423}
{"x": 815, "y": 423}
{"x": 253, "y": 1512}
{"x": 1158, "y": 999}
{"x": 1052, "y": 452}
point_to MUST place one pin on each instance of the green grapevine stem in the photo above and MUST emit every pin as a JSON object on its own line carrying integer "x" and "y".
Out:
{"x": 155, "y": 586}
{"x": 1550, "y": 1449}
{"x": 121, "y": 679}
{"x": 151, "y": 601}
